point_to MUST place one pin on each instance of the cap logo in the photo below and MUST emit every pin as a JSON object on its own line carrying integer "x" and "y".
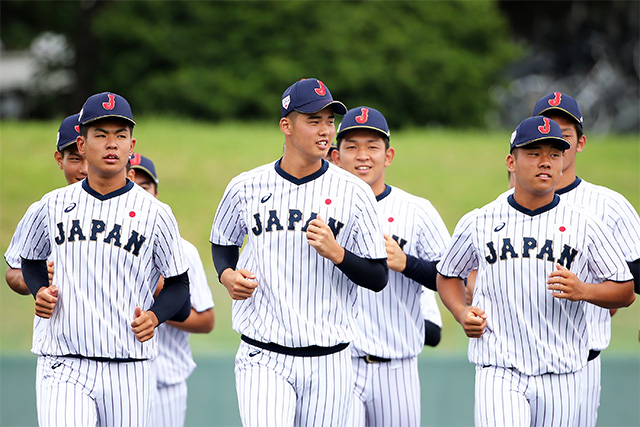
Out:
{"x": 322, "y": 90}
{"x": 285, "y": 101}
{"x": 557, "y": 99}
{"x": 546, "y": 128}
{"x": 135, "y": 159}
{"x": 362, "y": 118}
{"x": 111, "y": 104}
{"x": 77, "y": 128}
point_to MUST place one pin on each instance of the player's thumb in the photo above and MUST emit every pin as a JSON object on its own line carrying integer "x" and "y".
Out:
{"x": 53, "y": 290}
{"x": 475, "y": 311}
{"x": 137, "y": 312}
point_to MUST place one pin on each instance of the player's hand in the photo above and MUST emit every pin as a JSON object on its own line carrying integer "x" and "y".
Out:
{"x": 50, "y": 271}
{"x": 473, "y": 321}
{"x": 239, "y": 283}
{"x": 46, "y": 300}
{"x": 396, "y": 259}
{"x": 144, "y": 324}
{"x": 321, "y": 238}
{"x": 565, "y": 285}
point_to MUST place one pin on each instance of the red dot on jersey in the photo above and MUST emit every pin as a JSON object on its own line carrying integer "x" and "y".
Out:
{"x": 132, "y": 214}
{"x": 390, "y": 219}
{"x": 562, "y": 229}
{"x": 328, "y": 201}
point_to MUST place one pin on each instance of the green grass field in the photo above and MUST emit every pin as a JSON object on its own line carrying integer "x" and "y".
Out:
{"x": 456, "y": 170}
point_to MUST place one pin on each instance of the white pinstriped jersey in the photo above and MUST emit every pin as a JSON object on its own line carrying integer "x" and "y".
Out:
{"x": 175, "y": 363}
{"x": 302, "y": 299}
{"x": 514, "y": 251}
{"x": 391, "y": 321}
{"x": 108, "y": 252}
{"x": 623, "y": 222}
{"x": 12, "y": 257}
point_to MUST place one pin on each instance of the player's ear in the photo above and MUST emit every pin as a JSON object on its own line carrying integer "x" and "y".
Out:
{"x": 81, "y": 144}
{"x": 286, "y": 125}
{"x": 511, "y": 162}
{"x": 335, "y": 155}
{"x": 131, "y": 174}
{"x": 58, "y": 156}
{"x": 390, "y": 154}
{"x": 133, "y": 144}
{"x": 582, "y": 141}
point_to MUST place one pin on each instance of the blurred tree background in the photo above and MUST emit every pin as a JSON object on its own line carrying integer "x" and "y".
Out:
{"x": 447, "y": 63}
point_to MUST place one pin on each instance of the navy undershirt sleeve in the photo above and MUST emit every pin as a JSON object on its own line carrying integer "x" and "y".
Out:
{"x": 422, "y": 271}
{"x": 224, "y": 257}
{"x": 35, "y": 274}
{"x": 634, "y": 266}
{"x": 368, "y": 273}
{"x": 431, "y": 333}
{"x": 172, "y": 298}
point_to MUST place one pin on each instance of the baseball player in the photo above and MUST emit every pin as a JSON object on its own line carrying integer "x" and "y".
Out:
{"x": 74, "y": 167}
{"x": 610, "y": 207}
{"x": 110, "y": 241}
{"x": 175, "y": 363}
{"x": 312, "y": 236}
{"x": 391, "y": 322}
{"x": 534, "y": 253}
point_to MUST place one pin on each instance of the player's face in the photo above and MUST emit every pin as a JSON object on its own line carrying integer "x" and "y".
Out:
{"x": 568, "y": 128}
{"x": 144, "y": 180}
{"x": 107, "y": 146}
{"x": 537, "y": 168}
{"x": 363, "y": 152}
{"x": 72, "y": 163}
{"x": 310, "y": 134}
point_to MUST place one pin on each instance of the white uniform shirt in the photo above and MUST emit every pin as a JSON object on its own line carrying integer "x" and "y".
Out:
{"x": 109, "y": 252}
{"x": 302, "y": 298}
{"x": 391, "y": 321}
{"x": 514, "y": 251}
{"x": 175, "y": 363}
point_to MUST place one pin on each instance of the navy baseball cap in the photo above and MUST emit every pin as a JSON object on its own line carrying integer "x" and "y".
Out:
{"x": 560, "y": 102}
{"x": 105, "y": 104}
{"x": 535, "y": 129}
{"x": 309, "y": 96}
{"x": 138, "y": 161}
{"x": 363, "y": 118}
{"x": 68, "y": 132}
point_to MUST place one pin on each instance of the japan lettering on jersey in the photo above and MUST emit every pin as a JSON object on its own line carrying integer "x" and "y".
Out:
{"x": 109, "y": 252}
{"x": 302, "y": 299}
{"x": 514, "y": 251}
{"x": 391, "y": 321}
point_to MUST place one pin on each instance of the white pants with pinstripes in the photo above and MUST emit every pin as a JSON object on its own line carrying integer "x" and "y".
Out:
{"x": 83, "y": 392}
{"x": 279, "y": 390}
{"x": 386, "y": 394}
{"x": 170, "y": 405}
{"x": 506, "y": 397}
{"x": 591, "y": 400}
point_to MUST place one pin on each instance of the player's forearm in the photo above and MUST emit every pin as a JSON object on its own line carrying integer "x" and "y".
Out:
{"x": 16, "y": 281}
{"x": 35, "y": 274}
{"x": 610, "y": 294}
{"x": 173, "y": 296}
{"x": 196, "y": 323}
{"x": 368, "y": 273}
{"x": 452, "y": 294}
{"x": 422, "y": 271}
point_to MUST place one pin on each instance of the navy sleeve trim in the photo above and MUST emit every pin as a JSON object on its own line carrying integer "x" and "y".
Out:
{"x": 224, "y": 257}
{"x": 172, "y": 297}
{"x": 35, "y": 274}
{"x": 422, "y": 271}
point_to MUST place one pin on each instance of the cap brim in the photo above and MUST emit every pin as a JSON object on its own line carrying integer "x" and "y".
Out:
{"x": 109, "y": 115}
{"x": 155, "y": 179}
{"x": 314, "y": 107}
{"x": 577, "y": 120}
{"x": 563, "y": 142}
{"x": 343, "y": 131}
{"x": 66, "y": 144}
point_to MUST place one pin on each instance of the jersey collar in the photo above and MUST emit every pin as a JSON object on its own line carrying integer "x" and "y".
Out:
{"x": 304, "y": 179}
{"x": 569, "y": 187}
{"x": 542, "y": 209}
{"x": 385, "y": 193}
{"x": 85, "y": 186}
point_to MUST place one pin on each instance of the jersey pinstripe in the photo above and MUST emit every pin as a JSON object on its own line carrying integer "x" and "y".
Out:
{"x": 302, "y": 299}
{"x": 391, "y": 321}
{"x": 12, "y": 257}
{"x": 175, "y": 363}
{"x": 514, "y": 251}
{"x": 109, "y": 252}
{"x": 623, "y": 222}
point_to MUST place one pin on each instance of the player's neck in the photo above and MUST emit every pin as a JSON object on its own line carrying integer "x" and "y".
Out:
{"x": 106, "y": 185}
{"x": 567, "y": 178}
{"x": 532, "y": 201}
{"x": 299, "y": 167}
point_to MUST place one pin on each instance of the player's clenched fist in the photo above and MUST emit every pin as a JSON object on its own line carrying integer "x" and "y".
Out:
{"x": 396, "y": 259}
{"x": 473, "y": 321}
{"x": 46, "y": 300}
{"x": 239, "y": 283}
{"x": 566, "y": 285}
{"x": 144, "y": 324}
{"x": 321, "y": 238}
